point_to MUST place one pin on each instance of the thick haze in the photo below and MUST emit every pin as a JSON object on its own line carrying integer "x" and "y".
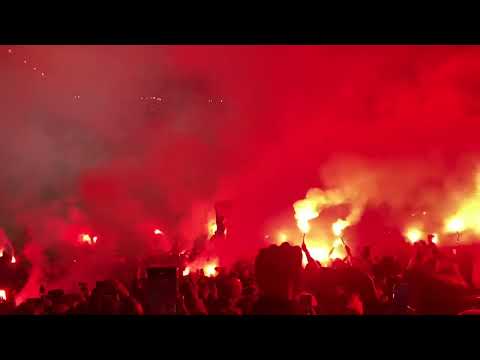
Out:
{"x": 259, "y": 125}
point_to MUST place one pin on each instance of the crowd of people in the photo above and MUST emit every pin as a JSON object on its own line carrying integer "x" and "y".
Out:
{"x": 433, "y": 281}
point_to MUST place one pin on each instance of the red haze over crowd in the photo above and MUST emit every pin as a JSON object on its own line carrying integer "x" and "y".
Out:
{"x": 116, "y": 142}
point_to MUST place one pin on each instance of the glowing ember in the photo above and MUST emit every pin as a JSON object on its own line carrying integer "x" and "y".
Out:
{"x": 3, "y": 295}
{"x": 87, "y": 239}
{"x": 158, "y": 232}
{"x": 318, "y": 252}
{"x": 305, "y": 210}
{"x": 282, "y": 237}
{"x": 212, "y": 227}
{"x": 413, "y": 235}
{"x": 454, "y": 225}
{"x": 209, "y": 269}
{"x": 338, "y": 226}
{"x": 13, "y": 260}
{"x": 186, "y": 271}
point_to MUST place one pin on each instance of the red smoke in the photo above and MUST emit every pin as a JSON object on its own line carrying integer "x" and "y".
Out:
{"x": 258, "y": 125}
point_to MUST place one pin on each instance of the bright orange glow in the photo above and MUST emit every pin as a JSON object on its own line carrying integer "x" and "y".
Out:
{"x": 454, "y": 225}
{"x": 337, "y": 242}
{"x": 186, "y": 271}
{"x": 305, "y": 210}
{"x": 413, "y": 235}
{"x": 158, "y": 232}
{"x": 318, "y": 252}
{"x": 212, "y": 227}
{"x": 435, "y": 239}
{"x": 13, "y": 260}
{"x": 209, "y": 269}
{"x": 87, "y": 239}
{"x": 338, "y": 226}
{"x": 3, "y": 295}
{"x": 282, "y": 237}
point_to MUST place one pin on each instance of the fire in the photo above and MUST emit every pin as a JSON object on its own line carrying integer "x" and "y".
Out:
{"x": 212, "y": 227}
{"x": 467, "y": 217}
{"x": 209, "y": 269}
{"x": 454, "y": 225}
{"x": 282, "y": 237}
{"x": 413, "y": 235}
{"x": 3, "y": 295}
{"x": 337, "y": 242}
{"x": 318, "y": 252}
{"x": 13, "y": 260}
{"x": 158, "y": 232}
{"x": 435, "y": 239}
{"x": 338, "y": 226}
{"x": 305, "y": 210}
{"x": 87, "y": 239}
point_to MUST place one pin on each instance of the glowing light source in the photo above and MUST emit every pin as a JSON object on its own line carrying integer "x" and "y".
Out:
{"x": 318, "y": 252}
{"x": 435, "y": 239}
{"x": 186, "y": 271}
{"x": 305, "y": 210}
{"x": 9, "y": 51}
{"x": 338, "y": 226}
{"x": 13, "y": 260}
{"x": 282, "y": 237}
{"x": 337, "y": 242}
{"x": 454, "y": 225}
{"x": 212, "y": 227}
{"x": 158, "y": 232}
{"x": 413, "y": 235}
{"x": 3, "y": 295}
{"x": 209, "y": 269}
{"x": 87, "y": 239}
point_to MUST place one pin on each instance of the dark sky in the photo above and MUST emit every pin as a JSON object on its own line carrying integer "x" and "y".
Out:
{"x": 256, "y": 124}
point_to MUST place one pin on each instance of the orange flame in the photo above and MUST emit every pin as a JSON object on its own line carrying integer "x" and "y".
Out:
{"x": 186, "y": 271}
{"x": 212, "y": 227}
{"x": 13, "y": 260}
{"x": 454, "y": 225}
{"x": 413, "y": 235}
{"x": 338, "y": 227}
{"x": 305, "y": 210}
{"x": 3, "y": 295}
{"x": 318, "y": 252}
{"x": 87, "y": 239}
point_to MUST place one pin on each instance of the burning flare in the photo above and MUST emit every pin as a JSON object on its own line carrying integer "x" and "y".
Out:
{"x": 87, "y": 239}
{"x": 413, "y": 235}
{"x": 158, "y": 232}
{"x": 3, "y": 295}
{"x": 212, "y": 227}
{"x": 305, "y": 210}
{"x": 454, "y": 225}
{"x": 338, "y": 227}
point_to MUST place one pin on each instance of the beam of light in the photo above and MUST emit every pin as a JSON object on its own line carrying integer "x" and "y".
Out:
{"x": 413, "y": 235}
